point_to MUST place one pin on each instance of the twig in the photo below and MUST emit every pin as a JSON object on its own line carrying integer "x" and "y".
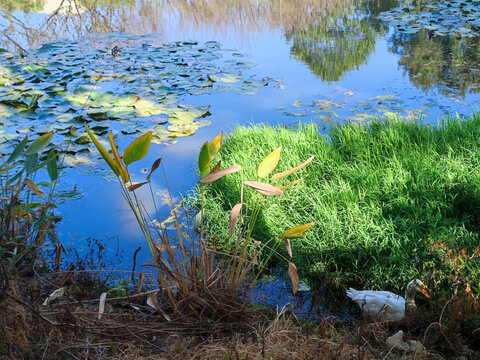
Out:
{"x": 135, "y": 261}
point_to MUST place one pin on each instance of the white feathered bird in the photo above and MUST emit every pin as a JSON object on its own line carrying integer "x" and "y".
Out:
{"x": 385, "y": 305}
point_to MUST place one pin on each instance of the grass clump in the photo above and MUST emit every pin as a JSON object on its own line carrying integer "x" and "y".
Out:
{"x": 390, "y": 200}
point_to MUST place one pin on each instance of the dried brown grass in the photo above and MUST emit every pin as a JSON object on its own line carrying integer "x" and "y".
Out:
{"x": 130, "y": 329}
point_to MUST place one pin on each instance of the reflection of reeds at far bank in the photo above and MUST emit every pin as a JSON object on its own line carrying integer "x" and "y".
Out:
{"x": 242, "y": 18}
{"x": 249, "y": 16}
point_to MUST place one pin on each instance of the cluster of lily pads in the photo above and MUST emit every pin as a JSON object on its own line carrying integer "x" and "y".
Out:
{"x": 327, "y": 111}
{"x": 459, "y": 18}
{"x": 114, "y": 82}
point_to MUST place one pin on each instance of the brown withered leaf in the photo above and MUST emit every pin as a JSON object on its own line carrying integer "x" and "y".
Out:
{"x": 255, "y": 257}
{"x": 42, "y": 232}
{"x": 215, "y": 175}
{"x": 293, "y": 274}
{"x": 152, "y": 301}
{"x": 135, "y": 185}
{"x": 288, "y": 247}
{"x": 233, "y": 218}
{"x": 155, "y": 166}
{"x": 216, "y": 167}
{"x": 34, "y": 188}
{"x": 264, "y": 189}
{"x": 140, "y": 282}
{"x": 53, "y": 296}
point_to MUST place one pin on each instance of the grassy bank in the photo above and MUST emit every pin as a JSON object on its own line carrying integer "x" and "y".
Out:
{"x": 391, "y": 200}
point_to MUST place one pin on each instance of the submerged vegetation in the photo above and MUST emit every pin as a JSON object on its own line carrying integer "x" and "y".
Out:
{"x": 390, "y": 200}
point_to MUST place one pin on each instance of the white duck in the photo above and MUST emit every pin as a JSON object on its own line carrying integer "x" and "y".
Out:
{"x": 385, "y": 305}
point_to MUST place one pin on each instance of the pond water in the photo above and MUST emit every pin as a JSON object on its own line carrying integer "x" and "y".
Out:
{"x": 227, "y": 63}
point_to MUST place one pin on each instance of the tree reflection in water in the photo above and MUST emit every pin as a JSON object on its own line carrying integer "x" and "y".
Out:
{"x": 446, "y": 63}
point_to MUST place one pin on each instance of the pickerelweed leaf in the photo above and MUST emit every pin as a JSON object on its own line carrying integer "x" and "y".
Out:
{"x": 106, "y": 156}
{"x": 294, "y": 278}
{"x": 288, "y": 172}
{"x": 214, "y": 146}
{"x": 39, "y": 143}
{"x": 295, "y": 182}
{"x": 18, "y": 149}
{"x": 218, "y": 174}
{"x": 137, "y": 149}
{"x": 155, "y": 166}
{"x": 296, "y": 231}
{"x": 34, "y": 188}
{"x": 264, "y": 189}
{"x": 233, "y": 218}
{"x": 31, "y": 162}
{"x": 269, "y": 163}
{"x": 204, "y": 160}
{"x": 116, "y": 157}
{"x": 136, "y": 185}
{"x": 52, "y": 167}
{"x": 288, "y": 246}
{"x": 216, "y": 167}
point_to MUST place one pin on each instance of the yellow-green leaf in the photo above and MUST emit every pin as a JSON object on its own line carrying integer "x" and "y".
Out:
{"x": 204, "y": 160}
{"x": 214, "y": 146}
{"x": 106, "y": 156}
{"x": 296, "y": 231}
{"x": 295, "y": 182}
{"x": 39, "y": 143}
{"x": 116, "y": 157}
{"x": 288, "y": 172}
{"x": 269, "y": 163}
{"x": 137, "y": 149}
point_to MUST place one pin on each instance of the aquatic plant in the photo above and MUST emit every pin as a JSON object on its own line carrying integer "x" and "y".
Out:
{"x": 26, "y": 211}
{"x": 190, "y": 276}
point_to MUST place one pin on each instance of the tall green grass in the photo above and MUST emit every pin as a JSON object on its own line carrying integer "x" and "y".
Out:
{"x": 382, "y": 195}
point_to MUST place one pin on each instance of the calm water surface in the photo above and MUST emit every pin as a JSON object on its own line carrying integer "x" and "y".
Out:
{"x": 327, "y": 61}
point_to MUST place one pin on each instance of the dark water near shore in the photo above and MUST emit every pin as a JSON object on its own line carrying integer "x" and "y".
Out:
{"x": 324, "y": 61}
